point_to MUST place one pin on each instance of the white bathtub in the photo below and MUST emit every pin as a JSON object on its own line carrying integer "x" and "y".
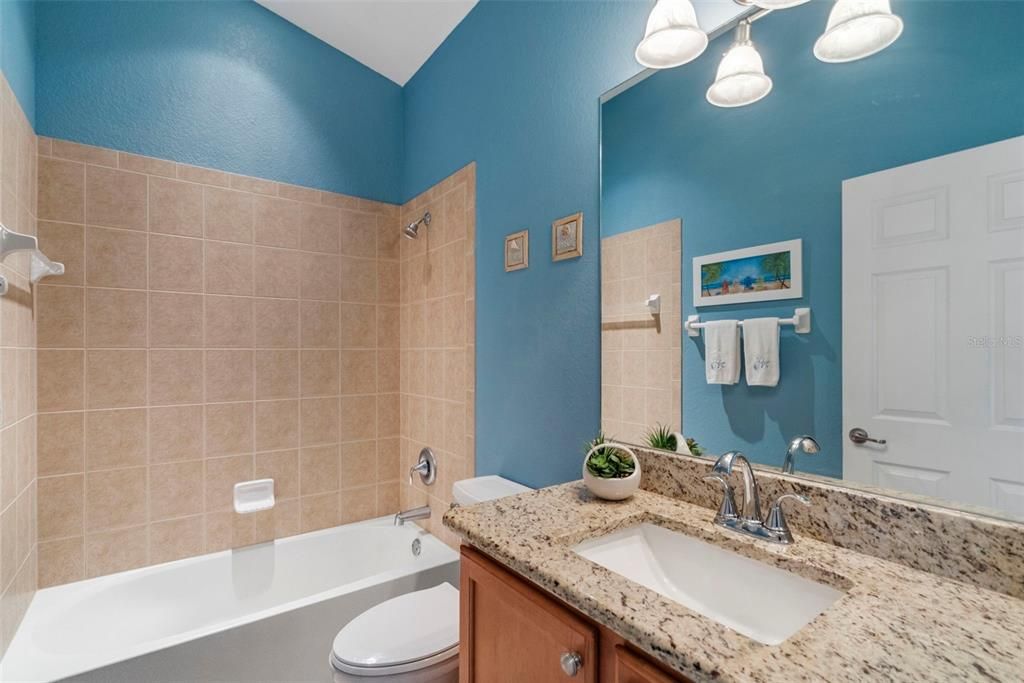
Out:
{"x": 264, "y": 613}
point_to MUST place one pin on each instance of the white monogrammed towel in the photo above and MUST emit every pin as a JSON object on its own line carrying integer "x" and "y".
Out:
{"x": 722, "y": 352}
{"x": 761, "y": 351}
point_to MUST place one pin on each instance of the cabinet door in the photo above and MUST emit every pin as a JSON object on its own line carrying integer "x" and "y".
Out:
{"x": 510, "y": 632}
{"x": 631, "y": 668}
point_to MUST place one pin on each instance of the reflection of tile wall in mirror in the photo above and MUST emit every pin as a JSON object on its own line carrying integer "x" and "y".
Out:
{"x": 640, "y": 352}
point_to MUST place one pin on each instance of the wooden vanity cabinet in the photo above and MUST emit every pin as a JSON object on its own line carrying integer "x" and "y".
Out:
{"x": 509, "y": 631}
{"x": 512, "y": 632}
{"x": 625, "y": 666}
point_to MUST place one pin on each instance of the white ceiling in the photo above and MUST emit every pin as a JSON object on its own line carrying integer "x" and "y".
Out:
{"x": 392, "y": 37}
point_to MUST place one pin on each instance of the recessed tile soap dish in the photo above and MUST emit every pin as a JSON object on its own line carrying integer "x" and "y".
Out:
{"x": 254, "y": 496}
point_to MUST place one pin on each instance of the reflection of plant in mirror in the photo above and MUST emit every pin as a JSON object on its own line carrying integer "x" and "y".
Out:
{"x": 608, "y": 462}
{"x": 709, "y": 274}
{"x": 778, "y": 265}
{"x": 694, "y": 447}
{"x": 662, "y": 437}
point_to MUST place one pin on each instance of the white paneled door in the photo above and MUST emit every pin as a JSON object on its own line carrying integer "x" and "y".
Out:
{"x": 933, "y": 327}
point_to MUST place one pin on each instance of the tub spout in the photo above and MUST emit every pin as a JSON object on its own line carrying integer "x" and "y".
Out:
{"x": 416, "y": 513}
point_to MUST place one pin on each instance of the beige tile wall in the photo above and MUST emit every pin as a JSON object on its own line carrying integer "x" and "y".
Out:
{"x": 210, "y": 328}
{"x": 438, "y": 342}
{"x": 18, "y": 554}
{"x": 640, "y": 353}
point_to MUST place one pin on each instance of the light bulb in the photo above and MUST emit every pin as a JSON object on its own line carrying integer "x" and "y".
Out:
{"x": 673, "y": 36}
{"x": 778, "y": 4}
{"x": 740, "y": 79}
{"x": 857, "y": 29}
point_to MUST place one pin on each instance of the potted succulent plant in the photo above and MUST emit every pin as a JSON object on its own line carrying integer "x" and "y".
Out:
{"x": 610, "y": 470}
{"x": 664, "y": 438}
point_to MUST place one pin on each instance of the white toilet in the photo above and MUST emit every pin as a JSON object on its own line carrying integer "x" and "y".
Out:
{"x": 413, "y": 638}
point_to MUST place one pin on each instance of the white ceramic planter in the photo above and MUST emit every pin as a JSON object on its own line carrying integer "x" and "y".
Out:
{"x": 612, "y": 489}
{"x": 681, "y": 446}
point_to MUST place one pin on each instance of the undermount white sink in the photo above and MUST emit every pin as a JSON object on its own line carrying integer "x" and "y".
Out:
{"x": 760, "y": 601}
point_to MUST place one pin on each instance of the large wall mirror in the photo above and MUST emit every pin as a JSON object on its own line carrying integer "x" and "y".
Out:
{"x": 875, "y": 207}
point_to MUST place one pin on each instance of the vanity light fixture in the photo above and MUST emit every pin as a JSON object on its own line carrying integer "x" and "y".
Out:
{"x": 778, "y": 4}
{"x": 857, "y": 29}
{"x": 740, "y": 79}
{"x": 673, "y": 36}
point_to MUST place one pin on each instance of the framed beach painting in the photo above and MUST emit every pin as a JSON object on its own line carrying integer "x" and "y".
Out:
{"x": 763, "y": 273}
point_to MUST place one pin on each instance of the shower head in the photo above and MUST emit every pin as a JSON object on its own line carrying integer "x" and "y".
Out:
{"x": 412, "y": 230}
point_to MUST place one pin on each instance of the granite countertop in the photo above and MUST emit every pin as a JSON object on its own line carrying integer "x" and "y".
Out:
{"x": 892, "y": 624}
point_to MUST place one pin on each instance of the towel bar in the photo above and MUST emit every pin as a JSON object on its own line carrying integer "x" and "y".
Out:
{"x": 801, "y": 322}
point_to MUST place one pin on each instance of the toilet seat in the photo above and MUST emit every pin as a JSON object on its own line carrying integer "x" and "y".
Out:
{"x": 407, "y": 633}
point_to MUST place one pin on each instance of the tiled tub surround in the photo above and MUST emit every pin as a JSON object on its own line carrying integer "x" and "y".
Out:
{"x": 438, "y": 350}
{"x": 892, "y": 624}
{"x": 640, "y": 352}
{"x": 964, "y": 546}
{"x": 209, "y": 328}
{"x": 18, "y": 551}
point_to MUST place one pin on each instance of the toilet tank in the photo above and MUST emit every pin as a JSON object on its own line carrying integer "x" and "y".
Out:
{"x": 480, "y": 489}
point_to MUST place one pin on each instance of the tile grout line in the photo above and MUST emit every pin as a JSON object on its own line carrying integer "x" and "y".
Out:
{"x": 148, "y": 446}
{"x": 205, "y": 535}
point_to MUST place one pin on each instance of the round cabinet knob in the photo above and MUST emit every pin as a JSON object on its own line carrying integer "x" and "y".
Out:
{"x": 571, "y": 663}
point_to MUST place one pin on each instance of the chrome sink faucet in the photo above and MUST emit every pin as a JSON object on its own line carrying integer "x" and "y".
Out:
{"x": 804, "y": 443}
{"x": 751, "y": 499}
{"x": 774, "y": 527}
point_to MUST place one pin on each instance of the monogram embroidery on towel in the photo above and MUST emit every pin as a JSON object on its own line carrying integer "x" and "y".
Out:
{"x": 762, "y": 364}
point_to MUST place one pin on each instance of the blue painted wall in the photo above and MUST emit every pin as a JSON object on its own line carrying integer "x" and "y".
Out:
{"x": 224, "y": 84}
{"x": 17, "y": 46}
{"x": 773, "y": 171}
{"x": 515, "y": 87}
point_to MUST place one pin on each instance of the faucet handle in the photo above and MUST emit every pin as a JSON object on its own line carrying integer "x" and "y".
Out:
{"x": 776, "y": 520}
{"x": 728, "y": 508}
{"x": 426, "y": 467}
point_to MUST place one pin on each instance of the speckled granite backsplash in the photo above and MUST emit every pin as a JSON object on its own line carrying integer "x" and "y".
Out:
{"x": 964, "y": 546}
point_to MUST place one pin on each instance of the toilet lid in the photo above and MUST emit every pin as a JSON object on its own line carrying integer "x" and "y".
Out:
{"x": 418, "y": 627}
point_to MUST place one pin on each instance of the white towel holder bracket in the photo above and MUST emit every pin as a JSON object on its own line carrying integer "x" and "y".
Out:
{"x": 40, "y": 265}
{"x": 801, "y": 322}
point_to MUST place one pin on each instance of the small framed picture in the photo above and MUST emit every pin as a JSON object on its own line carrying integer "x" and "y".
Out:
{"x": 517, "y": 251}
{"x": 764, "y": 273}
{"x": 567, "y": 237}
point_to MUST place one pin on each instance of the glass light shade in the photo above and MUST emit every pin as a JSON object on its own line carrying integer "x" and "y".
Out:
{"x": 778, "y": 4}
{"x": 673, "y": 37}
{"x": 740, "y": 79}
{"x": 857, "y": 29}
